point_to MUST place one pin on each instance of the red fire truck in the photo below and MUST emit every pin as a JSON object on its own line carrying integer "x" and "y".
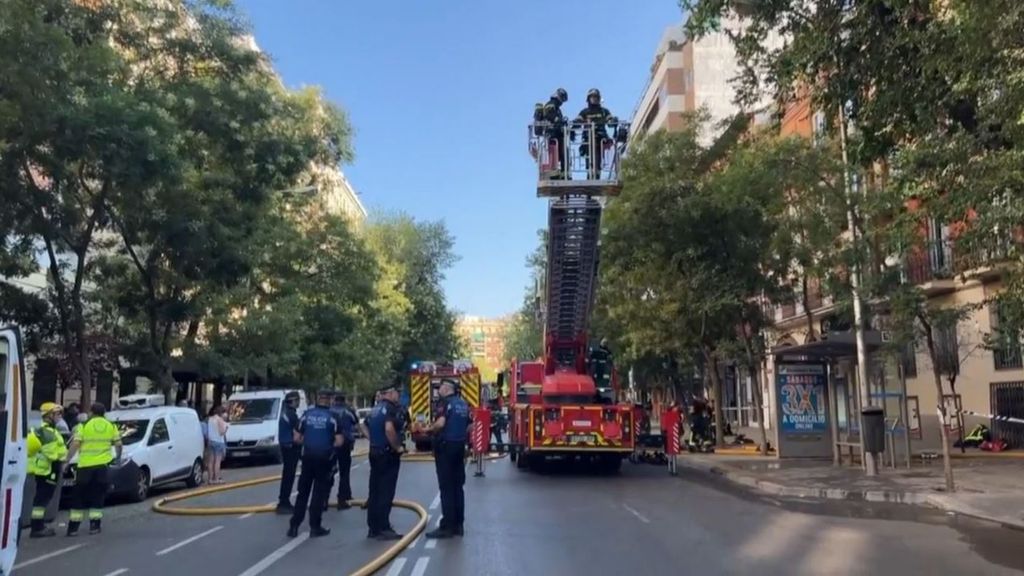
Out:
{"x": 424, "y": 380}
{"x": 556, "y": 410}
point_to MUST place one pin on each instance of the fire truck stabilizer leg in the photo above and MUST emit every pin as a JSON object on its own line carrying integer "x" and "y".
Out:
{"x": 479, "y": 466}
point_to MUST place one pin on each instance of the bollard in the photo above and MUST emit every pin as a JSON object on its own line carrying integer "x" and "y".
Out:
{"x": 481, "y": 436}
{"x": 670, "y": 422}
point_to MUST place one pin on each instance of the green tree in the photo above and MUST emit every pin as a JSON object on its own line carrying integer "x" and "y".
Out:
{"x": 416, "y": 256}
{"x": 683, "y": 225}
{"x": 233, "y": 136}
{"x": 72, "y": 140}
{"x": 524, "y": 338}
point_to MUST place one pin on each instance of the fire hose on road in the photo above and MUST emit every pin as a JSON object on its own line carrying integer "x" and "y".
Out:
{"x": 161, "y": 507}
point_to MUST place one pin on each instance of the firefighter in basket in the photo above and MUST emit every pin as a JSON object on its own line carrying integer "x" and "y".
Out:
{"x": 596, "y": 118}
{"x": 550, "y": 122}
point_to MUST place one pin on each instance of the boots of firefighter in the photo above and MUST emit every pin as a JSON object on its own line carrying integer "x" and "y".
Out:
{"x": 73, "y": 527}
{"x": 39, "y": 529}
{"x": 95, "y": 526}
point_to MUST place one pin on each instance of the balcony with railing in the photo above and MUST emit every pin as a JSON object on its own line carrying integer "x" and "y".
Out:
{"x": 942, "y": 258}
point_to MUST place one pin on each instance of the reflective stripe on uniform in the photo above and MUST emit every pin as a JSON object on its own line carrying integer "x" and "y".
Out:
{"x": 77, "y": 515}
{"x": 95, "y": 514}
{"x": 38, "y": 513}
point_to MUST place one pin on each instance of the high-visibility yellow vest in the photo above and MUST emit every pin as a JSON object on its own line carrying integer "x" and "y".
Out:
{"x": 45, "y": 448}
{"x": 96, "y": 438}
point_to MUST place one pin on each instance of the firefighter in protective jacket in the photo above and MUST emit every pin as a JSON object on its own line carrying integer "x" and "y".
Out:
{"x": 46, "y": 451}
{"x": 553, "y": 126}
{"x": 596, "y": 118}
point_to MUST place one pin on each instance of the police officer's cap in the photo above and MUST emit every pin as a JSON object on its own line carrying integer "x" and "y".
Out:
{"x": 453, "y": 383}
{"x": 325, "y": 394}
{"x": 387, "y": 388}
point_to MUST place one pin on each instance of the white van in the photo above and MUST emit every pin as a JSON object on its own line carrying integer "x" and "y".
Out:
{"x": 253, "y": 423}
{"x": 161, "y": 445}
{"x": 14, "y": 429}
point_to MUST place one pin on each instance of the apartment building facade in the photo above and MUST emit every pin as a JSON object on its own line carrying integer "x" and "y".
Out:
{"x": 689, "y": 74}
{"x": 986, "y": 381}
{"x": 485, "y": 340}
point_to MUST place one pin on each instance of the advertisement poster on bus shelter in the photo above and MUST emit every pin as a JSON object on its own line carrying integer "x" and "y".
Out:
{"x": 802, "y": 398}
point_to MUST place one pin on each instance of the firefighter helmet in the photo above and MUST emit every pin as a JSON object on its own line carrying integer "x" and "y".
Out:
{"x": 593, "y": 92}
{"x": 561, "y": 95}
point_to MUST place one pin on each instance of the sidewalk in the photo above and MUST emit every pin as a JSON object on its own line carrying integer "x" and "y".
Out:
{"x": 987, "y": 488}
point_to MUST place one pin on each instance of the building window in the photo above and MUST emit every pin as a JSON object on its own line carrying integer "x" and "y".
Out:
{"x": 947, "y": 350}
{"x": 1006, "y": 348}
{"x": 651, "y": 115}
{"x": 687, "y": 80}
{"x": 908, "y": 360}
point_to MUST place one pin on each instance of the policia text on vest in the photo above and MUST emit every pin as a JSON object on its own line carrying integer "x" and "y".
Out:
{"x": 320, "y": 436}
{"x": 95, "y": 442}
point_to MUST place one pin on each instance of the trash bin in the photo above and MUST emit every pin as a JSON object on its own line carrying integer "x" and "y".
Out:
{"x": 873, "y": 422}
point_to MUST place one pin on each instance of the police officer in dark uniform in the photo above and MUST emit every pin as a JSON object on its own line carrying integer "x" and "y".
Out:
{"x": 287, "y": 425}
{"x": 386, "y": 427}
{"x": 598, "y": 116}
{"x": 347, "y": 421}
{"x": 319, "y": 436}
{"x": 450, "y": 430}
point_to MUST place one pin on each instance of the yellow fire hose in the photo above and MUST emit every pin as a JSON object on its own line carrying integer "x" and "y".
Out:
{"x": 429, "y": 457}
{"x": 161, "y": 506}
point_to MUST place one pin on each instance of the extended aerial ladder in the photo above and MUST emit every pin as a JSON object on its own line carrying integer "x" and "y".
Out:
{"x": 576, "y": 188}
{"x": 557, "y": 411}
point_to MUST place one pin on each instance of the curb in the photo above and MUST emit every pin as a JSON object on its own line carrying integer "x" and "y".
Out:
{"x": 937, "y": 501}
{"x": 775, "y": 489}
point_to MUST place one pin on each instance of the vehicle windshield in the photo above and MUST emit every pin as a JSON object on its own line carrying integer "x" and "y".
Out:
{"x": 253, "y": 410}
{"x": 132, "y": 431}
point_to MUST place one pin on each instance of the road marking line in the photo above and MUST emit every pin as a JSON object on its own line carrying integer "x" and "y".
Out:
{"x": 437, "y": 523}
{"x": 53, "y": 554}
{"x": 431, "y": 544}
{"x": 640, "y": 516}
{"x": 188, "y": 541}
{"x": 436, "y": 502}
{"x": 354, "y": 466}
{"x": 421, "y": 566}
{"x": 276, "y": 555}
{"x": 117, "y": 572}
{"x": 244, "y": 516}
{"x": 396, "y": 567}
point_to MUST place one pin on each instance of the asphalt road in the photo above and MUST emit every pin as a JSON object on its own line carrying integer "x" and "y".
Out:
{"x": 640, "y": 521}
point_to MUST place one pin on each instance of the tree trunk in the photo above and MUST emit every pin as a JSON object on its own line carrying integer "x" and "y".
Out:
{"x": 82, "y": 360}
{"x": 808, "y": 313}
{"x": 716, "y": 396}
{"x": 168, "y": 386}
{"x": 959, "y": 415}
{"x": 759, "y": 406}
{"x": 947, "y": 464}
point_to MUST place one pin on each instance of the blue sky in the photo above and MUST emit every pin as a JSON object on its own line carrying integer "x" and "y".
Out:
{"x": 440, "y": 92}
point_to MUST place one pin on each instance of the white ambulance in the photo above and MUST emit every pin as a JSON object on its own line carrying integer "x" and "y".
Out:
{"x": 14, "y": 428}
